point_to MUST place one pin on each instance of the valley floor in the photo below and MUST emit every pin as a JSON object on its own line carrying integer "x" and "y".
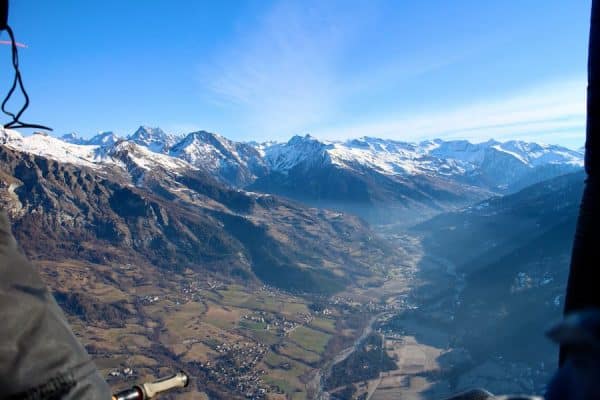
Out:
{"x": 258, "y": 342}
{"x": 415, "y": 354}
{"x": 418, "y": 334}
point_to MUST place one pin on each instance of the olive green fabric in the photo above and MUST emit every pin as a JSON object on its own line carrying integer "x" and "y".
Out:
{"x": 40, "y": 357}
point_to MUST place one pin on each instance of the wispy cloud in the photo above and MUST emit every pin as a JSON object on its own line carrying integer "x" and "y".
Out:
{"x": 281, "y": 76}
{"x": 552, "y": 113}
{"x": 291, "y": 72}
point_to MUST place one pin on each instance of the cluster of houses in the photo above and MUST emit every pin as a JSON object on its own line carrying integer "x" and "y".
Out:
{"x": 276, "y": 323}
{"x": 272, "y": 291}
{"x": 235, "y": 368}
{"x": 149, "y": 299}
{"x": 348, "y": 305}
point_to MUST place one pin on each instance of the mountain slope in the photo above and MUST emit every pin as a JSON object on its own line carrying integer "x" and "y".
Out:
{"x": 148, "y": 208}
{"x": 327, "y": 175}
{"x": 493, "y": 165}
{"x": 389, "y": 181}
{"x": 509, "y": 259}
{"x": 383, "y": 181}
{"x": 237, "y": 164}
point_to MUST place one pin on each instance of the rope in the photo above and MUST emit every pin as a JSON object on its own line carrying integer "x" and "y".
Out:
{"x": 16, "y": 122}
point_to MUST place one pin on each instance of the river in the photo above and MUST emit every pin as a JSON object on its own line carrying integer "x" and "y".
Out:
{"x": 316, "y": 383}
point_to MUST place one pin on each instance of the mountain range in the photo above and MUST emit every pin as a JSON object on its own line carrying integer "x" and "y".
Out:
{"x": 377, "y": 179}
{"x": 124, "y": 203}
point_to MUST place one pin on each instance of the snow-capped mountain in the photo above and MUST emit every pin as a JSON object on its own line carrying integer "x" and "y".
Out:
{"x": 128, "y": 204}
{"x": 299, "y": 151}
{"x": 375, "y": 178}
{"x": 497, "y": 166}
{"x": 385, "y": 179}
{"x": 237, "y": 164}
{"x": 107, "y": 138}
{"x": 99, "y": 152}
{"x": 155, "y": 139}
{"x": 527, "y": 153}
{"x": 48, "y": 146}
{"x": 72, "y": 138}
{"x": 512, "y": 165}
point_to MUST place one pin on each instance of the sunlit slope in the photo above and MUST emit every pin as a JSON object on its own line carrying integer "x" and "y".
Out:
{"x": 146, "y": 213}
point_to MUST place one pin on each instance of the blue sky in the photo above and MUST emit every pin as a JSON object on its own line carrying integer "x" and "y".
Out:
{"x": 266, "y": 70}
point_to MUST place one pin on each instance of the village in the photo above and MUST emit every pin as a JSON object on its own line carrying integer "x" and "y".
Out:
{"x": 265, "y": 330}
{"x": 235, "y": 368}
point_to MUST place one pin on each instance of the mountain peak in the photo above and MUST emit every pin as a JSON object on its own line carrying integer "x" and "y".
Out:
{"x": 298, "y": 150}
{"x": 200, "y": 138}
{"x": 105, "y": 138}
{"x": 206, "y": 137}
{"x": 144, "y": 132}
{"x": 307, "y": 138}
{"x": 72, "y": 137}
{"x": 231, "y": 162}
{"x": 154, "y": 138}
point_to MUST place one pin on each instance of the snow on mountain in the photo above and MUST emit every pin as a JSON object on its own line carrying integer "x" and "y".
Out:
{"x": 154, "y": 139}
{"x": 461, "y": 150}
{"x": 502, "y": 167}
{"x": 45, "y": 145}
{"x": 537, "y": 154}
{"x": 108, "y": 152}
{"x": 72, "y": 138}
{"x": 131, "y": 154}
{"x": 532, "y": 154}
{"x": 262, "y": 146}
{"x": 493, "y": 164}
{"x": 385, "y": 156}
{"x": 399, "y": 157}
{"x": 8, "y": 135}
{"x": 389, "y": 157}
{"x": 235, "y": 163}
{"x": 205, "y": 148}
{"x": 107, "y": 138}
{"x": 298, "y": 150}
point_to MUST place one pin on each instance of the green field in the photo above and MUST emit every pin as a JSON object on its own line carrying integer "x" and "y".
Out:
{"x": 263, "y": 303}
{"x": 324, "y": 324}
{"x": 288, "y": 380}
{"x": 296, "y": 352}
{"x": 253, "y": 325}
{"x": 233, "y": 295}
{"x": 292, "y": 308}
{"x": 310, "y": 339}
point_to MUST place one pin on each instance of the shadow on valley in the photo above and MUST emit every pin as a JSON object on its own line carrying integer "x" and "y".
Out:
{"x": 494, "y": 279}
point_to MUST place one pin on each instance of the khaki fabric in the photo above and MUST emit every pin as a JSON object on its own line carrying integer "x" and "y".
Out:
{"x": 40, "y": 357}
